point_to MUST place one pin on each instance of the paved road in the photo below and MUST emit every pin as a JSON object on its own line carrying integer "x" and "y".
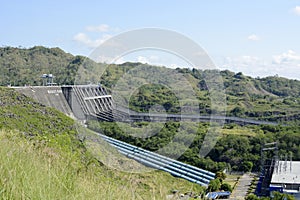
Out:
{"x": 241, "y": 189}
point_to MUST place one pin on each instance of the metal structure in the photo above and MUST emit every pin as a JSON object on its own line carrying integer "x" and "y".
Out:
{"x": 48, "y": 80}
{"x": 157, "y": 161}
{"x": 218, "y": 195}
{"x": 269, "y": 158}
{"x": 94, "y": 101}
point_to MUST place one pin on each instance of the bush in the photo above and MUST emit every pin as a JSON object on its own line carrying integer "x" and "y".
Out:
{"x": 221, "y": 175}
{"x": 251, "y": 197}
{"x": 247, "y": 166}
{"x": 214, "y": 185}
{"x": 226, "y": 187}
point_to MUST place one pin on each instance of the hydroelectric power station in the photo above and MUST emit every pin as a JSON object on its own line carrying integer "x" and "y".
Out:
{"x": 84, "y": 102}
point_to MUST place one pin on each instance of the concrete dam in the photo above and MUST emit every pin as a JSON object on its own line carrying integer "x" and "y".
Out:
{"x": 80, "y": 102}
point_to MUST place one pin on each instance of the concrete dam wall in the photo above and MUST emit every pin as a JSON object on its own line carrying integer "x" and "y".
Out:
{"x": 80, "y": 101}
{"x": 51, "y": 96}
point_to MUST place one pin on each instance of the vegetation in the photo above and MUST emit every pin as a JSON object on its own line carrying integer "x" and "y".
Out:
{"x": 214, "y": 185}
{"x": 219, "y": 183}
{"x": 232, "y": 151}
{"x": 272, "y": 98}
{"x": 43, "y": 156}
{"x": 253, "y": 185}
{"x": 226, "y": 187}
{"x": 277, "y": 196}
{"x": 26, "y": 66}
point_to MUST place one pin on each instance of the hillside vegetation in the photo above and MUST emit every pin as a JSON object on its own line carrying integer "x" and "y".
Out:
{"x": 271, "y": 98}
{"x": 42, "y": 156}
{"x": 236, "y": 148}
{"x": 21, "y": 67}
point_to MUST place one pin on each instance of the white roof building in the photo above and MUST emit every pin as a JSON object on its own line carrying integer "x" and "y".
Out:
{"x": 286, "y": 177}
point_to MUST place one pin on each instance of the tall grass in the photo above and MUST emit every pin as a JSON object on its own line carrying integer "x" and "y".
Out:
{"x": 29, "y": 171}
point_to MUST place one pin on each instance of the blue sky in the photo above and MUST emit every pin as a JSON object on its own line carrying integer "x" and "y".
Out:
{"x": 258, "y": 38}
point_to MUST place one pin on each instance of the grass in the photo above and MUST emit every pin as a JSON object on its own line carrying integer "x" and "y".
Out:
{"x": 239, "y": 131}
{"x": 29, "y": 171}
{"x": 232, "y": 179}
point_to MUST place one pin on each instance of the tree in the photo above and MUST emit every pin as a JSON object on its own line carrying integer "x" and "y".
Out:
{"x": 214, "y": 185}
{"x": 238, "y": 111}
{"x": 226, "y": 187}
{"x": 221, "y": 176}
{"x": 276, "y": 196}
{"x": 251, "y": 197}
{"x": 247, "y": 166}
{"x": 280, "y": 196}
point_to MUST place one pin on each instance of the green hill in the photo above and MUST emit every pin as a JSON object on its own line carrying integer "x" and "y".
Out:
{"x": 43, "y": 156}
{"x": 26, "y": 66}
{"x": 271, "y": 98}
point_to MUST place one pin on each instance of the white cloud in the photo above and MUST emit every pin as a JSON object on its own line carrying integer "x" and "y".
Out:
{"x": 101, "y": 28}
{"x": 104, "y": 59}
{"x": 174, "y": 66}
{"x": 90, "y": 39}
{"x": 143, "y": 59}
{"x": 253, "y": 37}
{"x": 247, "y": 64}
{"x": 102, "y": 39}
{"x": 82, "y": 38}
{"x": 120, "y": 60}
{"x": 296, "y": 10}
{"x": 85, "y": 40}
{"x": 286, "y": 64}
{"x": 289, "y": 57}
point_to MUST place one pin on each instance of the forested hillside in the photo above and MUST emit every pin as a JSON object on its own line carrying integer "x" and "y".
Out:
{"x": 19, "y": 67}
{"x": 270, "y": 98}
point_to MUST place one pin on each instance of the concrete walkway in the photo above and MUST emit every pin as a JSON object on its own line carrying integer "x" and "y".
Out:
{"x": 241, "y": 189}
